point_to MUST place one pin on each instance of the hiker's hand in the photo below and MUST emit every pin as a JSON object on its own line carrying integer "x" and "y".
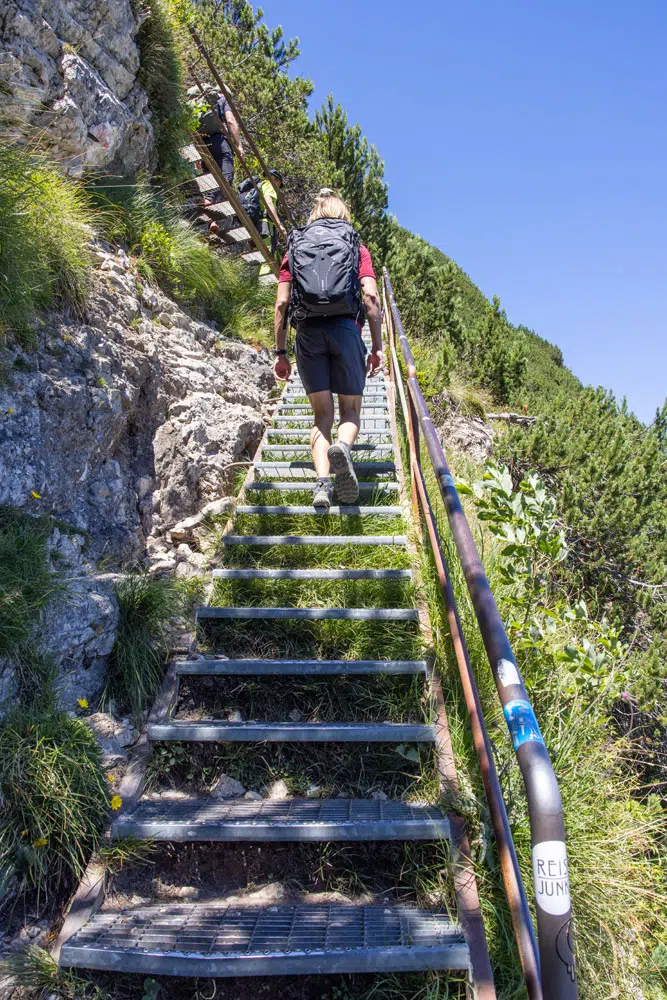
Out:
{"x": 283, "y": 233}
{"x": 374, "y": 363}
{"x": 282, "y": 369}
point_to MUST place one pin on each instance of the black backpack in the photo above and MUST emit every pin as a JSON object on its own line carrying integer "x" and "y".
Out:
{"x": 250, "y": 199}
{"x": 324, "y": 264}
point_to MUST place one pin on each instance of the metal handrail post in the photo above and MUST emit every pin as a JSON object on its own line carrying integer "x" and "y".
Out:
{"x": 549, "y": 854}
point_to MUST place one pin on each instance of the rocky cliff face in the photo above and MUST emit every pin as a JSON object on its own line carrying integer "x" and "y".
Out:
{"x": 70, "y": 67}
{"x": 121, "y": 425}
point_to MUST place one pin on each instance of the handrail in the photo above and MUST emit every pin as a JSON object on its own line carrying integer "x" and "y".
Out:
{"x": 555, "y": 966}
{"x": 509, "y": 865}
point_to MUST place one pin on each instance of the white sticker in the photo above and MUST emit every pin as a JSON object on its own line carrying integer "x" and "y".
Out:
{"x": 552, "y": 883}
{"x": 507, "y": 673}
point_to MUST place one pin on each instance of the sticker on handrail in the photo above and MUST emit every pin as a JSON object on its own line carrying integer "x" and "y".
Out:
{"x": 448, "y": 480}
{"x": 508, "y": 673}
{"x": 552, "y": 883}
{"x": 522, "y": 723}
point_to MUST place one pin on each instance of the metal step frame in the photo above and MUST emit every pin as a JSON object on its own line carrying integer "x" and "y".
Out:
{"x": 216, "y": 941}
{"x": 204, "y": 818}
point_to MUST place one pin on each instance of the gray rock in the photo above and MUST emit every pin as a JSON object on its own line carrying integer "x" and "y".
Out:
{"x": 70, "y": 68}
{"x": 379, "y": 795}
{"x": 314, "y": 792}
{"x": 253, "y": 796}
{"x": 227, "y": 788}
{"x": 123, "y": 431}
{"x": 277, "y": 790}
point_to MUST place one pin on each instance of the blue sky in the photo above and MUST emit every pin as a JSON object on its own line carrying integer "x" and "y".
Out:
{"x": 527, "y": 140}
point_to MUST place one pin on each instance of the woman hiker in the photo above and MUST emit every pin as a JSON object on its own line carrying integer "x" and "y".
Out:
{"x": 328, "y": 284}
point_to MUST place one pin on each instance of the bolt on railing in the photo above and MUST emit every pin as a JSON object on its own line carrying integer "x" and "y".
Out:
{"x": 549, "y": 970}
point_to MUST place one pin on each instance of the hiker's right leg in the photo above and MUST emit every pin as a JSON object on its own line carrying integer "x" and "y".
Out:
{"x": 320, "y": 435}
{"x": 223, "y": 156}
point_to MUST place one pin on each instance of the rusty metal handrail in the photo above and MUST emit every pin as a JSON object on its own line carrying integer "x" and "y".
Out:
{"x": 549, "y": 970}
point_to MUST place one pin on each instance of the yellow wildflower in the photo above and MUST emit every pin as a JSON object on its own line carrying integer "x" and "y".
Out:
{"x": 35, "y": 495}
{"x": 116, "y": 802}
{"x": 82, "y": 702}
{"x": 10, "y": 411}
{"x": 41, "y": 842}
{"x": 110, "y": 777}
{"x": 24, "y": 833}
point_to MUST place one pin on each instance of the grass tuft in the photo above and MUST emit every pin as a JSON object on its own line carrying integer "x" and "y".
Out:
{"x": 147, "y": 606}
{"x": 55, "y": 799}
{"x": 46, "y": 223}
{"x": 27, "y": 584}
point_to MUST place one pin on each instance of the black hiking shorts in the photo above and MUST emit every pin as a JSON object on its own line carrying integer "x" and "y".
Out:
{"x": 331, "y": 355}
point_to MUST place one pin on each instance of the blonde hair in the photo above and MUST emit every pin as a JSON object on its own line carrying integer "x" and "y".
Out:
{"x": 328, "y": 205}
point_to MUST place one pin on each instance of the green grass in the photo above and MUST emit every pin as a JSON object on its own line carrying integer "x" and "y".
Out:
{"x": 333, "y": 639}
{"x": 27, "y": 585}
{"x": 170, "y": 254}
{"x": 55, "y": 799}
{"x": 147, "y": 606}
{"x": 352, "y": 770}
{"x": 332, "y": 699}
{"x": 313, "y": 593}
{"x": 301, "y": 498}
{"x": 46, "y": 222}
{"x": 329, "y": 556}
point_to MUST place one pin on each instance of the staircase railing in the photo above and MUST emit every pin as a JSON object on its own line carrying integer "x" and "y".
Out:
{"x": 548, "y": 967}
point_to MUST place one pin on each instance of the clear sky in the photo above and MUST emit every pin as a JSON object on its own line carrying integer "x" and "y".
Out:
{"x": 526, "y": 139}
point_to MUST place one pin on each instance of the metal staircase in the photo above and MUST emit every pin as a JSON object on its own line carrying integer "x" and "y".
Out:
{"x": 232, "y": 235}
{"x": 217, "y": 939}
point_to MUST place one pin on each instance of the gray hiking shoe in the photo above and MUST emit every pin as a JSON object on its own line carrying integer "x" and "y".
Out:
{"x": 323, "y": 494}
{"x": 346, "y": 486}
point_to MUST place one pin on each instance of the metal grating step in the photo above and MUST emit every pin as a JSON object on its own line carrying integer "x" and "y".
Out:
{"x": 354, "y": 511}
{"x": 221, "y": 210}
{"x": 205, "y": 819}
{"x": 217, "y": 940}
{"x": 310, "y": 614}
{"x": 301, "y": 407}
{"x": 206, "y": 182}
{"x": 295, "y": 668}
{"x": 376, "y": 424}
{"x": 314, "y": 540}
{"x": 239, "y": 235}
{"x": 292, "y": 486}
{"x": 304, "y": 449}
{"x": 308, "y": 471}
{"x": 190, "y": 153}
{"x": 253, "y": 257}
{"x": 291, "y": 732}
{"x": 312, "y": 574}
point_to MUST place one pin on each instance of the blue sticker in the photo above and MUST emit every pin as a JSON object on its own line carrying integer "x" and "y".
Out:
{"x": 522, "y": 723}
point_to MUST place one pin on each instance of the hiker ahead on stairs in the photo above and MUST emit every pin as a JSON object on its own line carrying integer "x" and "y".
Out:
{"x": 259, "y": 199}
{"x": 328, "y": 285}
{"x": 215, "y": 125}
